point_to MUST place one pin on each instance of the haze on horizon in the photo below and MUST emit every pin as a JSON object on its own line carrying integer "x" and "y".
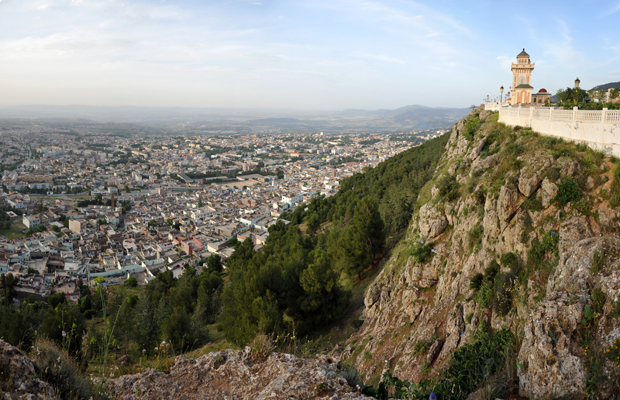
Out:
{"x": 306, "y": 54}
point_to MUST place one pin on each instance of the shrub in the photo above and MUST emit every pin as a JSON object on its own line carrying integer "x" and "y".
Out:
{"x": 350, "y": 374}
{"x": 131, "y": 282}
{"x": 568, "y": 191}
{"x": 472, "y": 124}
{"x": 58, "y": 369}
{"x": 475, "y": 237}
{"x": 422, "y": 252}
{"x": 448, "y": 188}
{"x": 532, "y": 204}
{"x": 262, "y": 346}
{"x": 614, "y": 193}
{"x": 421, "y": 347}
{"x": 476, "y": 281}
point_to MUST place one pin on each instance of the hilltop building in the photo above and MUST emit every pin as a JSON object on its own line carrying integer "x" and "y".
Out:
{"x": 521, "y": 83}
{"x": 521, "y": 74}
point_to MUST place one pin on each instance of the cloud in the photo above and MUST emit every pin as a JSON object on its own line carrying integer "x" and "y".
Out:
{"x": 380, "y": 57}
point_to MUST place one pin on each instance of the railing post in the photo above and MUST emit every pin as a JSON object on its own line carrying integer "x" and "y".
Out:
{"x": 550, "y": 119}
{"x": 574, "y": 121}
{"x": 603, "y": 118}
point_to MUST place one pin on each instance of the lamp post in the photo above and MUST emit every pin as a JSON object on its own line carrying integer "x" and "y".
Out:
{"x": 501, "y": 94}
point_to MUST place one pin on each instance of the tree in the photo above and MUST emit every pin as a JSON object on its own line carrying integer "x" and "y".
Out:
{"x": 571, "y": 95}
{"x": 362, "y": 238}
{"x": 169, "y": 222}
{"x": 199, "y": 203}
{"x": 214, "y": 263}
{"x": 7, "y": 286}
{"x": 131, "y": 282}
{"x": 126, "y": 189}
{"x": 614, "y": 93}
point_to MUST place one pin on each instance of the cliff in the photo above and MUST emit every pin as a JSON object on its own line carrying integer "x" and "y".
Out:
{"x": 515, "y": 233}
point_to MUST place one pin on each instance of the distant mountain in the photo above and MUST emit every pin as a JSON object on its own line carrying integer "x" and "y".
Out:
{"x": 414, "y": 117}
{"x": 608, "y": 86}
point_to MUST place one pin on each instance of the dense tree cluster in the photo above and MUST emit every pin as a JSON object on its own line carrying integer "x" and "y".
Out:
{"x": 293, "y": 284}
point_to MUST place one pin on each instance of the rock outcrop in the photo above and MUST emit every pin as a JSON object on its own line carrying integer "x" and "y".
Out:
{"x": 233, "y": 374}
{"x": 420, "y": 311}
{"x": 18, "y": 378}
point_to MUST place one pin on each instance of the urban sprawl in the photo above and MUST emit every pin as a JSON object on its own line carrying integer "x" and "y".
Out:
{"x": 105, "y": 202}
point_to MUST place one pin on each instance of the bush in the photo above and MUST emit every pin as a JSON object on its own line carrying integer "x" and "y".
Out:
{"x": 614, "y": 193}
{"x": 131, "y": 282}
{"x": 476, "y": 281}
{"x": 472, "y": 124}
{"x": 532, "y": 204}
{"x": 422, "y": 252}
{"x": 568, "y": 191}
{"x": 421, "y": 347}
{"x": 55, "y": 367}
{"x": 56, "y": 299}
{"x": 448, "y": 189}
{"x": 475, "y": 237}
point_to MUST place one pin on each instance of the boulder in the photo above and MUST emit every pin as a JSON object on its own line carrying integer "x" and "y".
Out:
{"x": 548, "y": 192}
{"x": 507, "y": 205}
{"x": 432, "y": 222}
{"x": 531, "y": 174}
{"x": 19, "y": 379}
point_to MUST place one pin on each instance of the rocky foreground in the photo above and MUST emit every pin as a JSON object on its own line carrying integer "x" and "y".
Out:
{"x": 233, "y": 374}
{"x": 229, "y": 374}
{"x": 18, "y": 378}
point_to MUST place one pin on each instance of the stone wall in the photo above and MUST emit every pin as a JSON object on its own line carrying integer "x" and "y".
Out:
{"x": 598, "y": 129}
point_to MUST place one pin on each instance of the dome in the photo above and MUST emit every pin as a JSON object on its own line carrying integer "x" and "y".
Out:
{"x": 542, "y": 91}
{"x": 523, "y": 54}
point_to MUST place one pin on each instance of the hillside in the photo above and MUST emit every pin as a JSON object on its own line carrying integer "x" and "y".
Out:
{"x": 608, "y": 86}
{"x": 508, "y": 276}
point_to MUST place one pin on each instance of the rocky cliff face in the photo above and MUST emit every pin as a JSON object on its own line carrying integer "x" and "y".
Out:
{"x": 232, "y": 374}
{"x": 18, "y": 378}
{"x": 496, "y": 194}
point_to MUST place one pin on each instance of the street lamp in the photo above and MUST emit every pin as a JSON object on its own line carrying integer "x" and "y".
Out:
{"x": 501, "y": 93}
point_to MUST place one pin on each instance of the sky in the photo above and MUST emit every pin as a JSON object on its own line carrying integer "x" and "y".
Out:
{"x": 303, "y": 54}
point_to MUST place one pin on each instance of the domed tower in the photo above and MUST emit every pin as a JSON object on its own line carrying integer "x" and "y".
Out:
{"x": 521, "y": 74}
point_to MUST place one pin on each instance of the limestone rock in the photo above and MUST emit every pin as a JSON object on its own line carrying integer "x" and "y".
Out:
{"x": 549, "y": 367}
{"x": 484, "y": 114}
{"x": 233, "y": 374}
{"x": 19, "y": 379}
{"x": 548, "y": 192}
{"x": 572, "y": 231}
{"x": 475, "y": 152}
{"x": 432, "y": 222}
{"x": 507, "y": 204}
{"x": 434, "y": 350}
{"x": 531, "y": 174}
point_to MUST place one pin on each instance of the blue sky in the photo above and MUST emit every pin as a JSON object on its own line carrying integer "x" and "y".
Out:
{"x": 306, "y": 54}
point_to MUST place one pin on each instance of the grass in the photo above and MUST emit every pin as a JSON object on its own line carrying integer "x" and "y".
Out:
{"x": 15, "y": 232}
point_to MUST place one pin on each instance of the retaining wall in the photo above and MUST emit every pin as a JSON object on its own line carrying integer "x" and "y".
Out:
{"x": 598, "y": 129}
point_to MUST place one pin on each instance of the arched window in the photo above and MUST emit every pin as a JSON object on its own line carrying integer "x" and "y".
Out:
{"x": 521, "y": 80}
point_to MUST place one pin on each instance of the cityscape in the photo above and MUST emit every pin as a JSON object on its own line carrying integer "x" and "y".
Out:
{"x": 89, "y": 200}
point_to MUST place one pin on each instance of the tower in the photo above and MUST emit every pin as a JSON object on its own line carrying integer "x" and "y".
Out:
{"x": 521, "y": 74}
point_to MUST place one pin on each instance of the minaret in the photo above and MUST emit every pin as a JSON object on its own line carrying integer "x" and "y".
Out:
{"x": 521, "y": 73}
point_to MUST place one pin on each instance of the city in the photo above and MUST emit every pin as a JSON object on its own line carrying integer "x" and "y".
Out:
{"x": 109, "y": 206}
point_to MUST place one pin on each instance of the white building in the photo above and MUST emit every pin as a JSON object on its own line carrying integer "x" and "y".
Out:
{"x": 31, "y": 221}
